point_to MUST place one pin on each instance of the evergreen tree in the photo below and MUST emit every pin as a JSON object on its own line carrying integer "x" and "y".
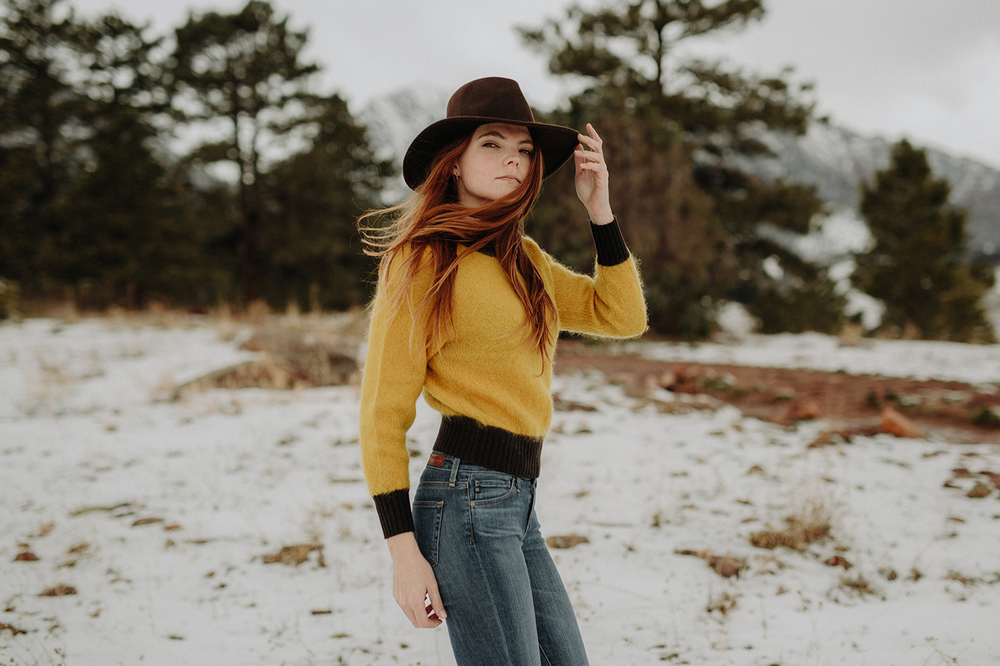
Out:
{"x": 692, "y": 216}
{"x": 86, "y": 206}
{"x": 667, "y": 219}
{"x": 38, "y": 145}
{"x": 916, "y": 266}
{"x": 124, "y": 240}
{"x": 244, "y": 73}
{"x": 310, "y": 224}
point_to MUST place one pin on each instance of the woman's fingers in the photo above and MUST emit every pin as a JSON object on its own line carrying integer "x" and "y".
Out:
{"x": 420, "y": 613}
{"x": 592, "y": 139}
{"x": 590, "y": 155}
{"x": 434, "y": 605}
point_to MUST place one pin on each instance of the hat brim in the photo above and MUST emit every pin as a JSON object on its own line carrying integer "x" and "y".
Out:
{"x": 556, "y": 143}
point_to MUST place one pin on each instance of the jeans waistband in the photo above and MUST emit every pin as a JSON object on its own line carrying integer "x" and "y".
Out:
{"x": 489, "y": 446}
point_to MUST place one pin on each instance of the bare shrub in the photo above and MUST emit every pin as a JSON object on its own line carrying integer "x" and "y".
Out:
{"x": 811, "y": 523}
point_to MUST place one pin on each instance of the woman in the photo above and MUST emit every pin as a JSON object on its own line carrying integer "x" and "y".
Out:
{"x": 468, "y": 311}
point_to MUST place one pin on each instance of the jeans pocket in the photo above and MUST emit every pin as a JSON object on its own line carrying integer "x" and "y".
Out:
{"x": 427, "y": 528}
{"x": 491, "y": 489}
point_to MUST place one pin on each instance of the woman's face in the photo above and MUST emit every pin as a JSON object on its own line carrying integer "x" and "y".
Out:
{"x": 495, "y": 164}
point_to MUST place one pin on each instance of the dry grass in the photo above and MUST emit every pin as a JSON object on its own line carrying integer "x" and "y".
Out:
{"x": 797, "y": 536}
{"x": 724, "y": 603}
{"x": 810, "y": 523}
{"x": 859, "y": 585}
{"x": 296, "y": 555}
{"x": 970, "y": 581}
{"x": 566, "y": 540}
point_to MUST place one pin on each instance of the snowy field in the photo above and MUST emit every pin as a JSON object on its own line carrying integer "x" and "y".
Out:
{"x": 136, "y": 525}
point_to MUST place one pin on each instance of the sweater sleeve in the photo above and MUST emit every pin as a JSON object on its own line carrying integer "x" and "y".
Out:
{"x": 394, "y": 375}
{"x": 609, "y": 303}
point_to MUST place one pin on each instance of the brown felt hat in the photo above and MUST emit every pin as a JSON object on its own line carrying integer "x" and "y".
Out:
{"x": 489, "y": 100}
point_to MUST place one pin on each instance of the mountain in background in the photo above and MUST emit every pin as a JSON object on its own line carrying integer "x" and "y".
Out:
{"x": 837, "y": 160}
{"x": 832, "y": 158}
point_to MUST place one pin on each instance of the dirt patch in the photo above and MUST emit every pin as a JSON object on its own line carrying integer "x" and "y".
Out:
{"x": 290, "y": 359}
{"x": 851, "y": 404}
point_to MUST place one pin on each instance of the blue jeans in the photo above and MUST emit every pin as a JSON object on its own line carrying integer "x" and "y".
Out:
{"x": 506, "y": 603}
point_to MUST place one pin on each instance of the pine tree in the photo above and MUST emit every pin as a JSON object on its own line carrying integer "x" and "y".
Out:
{"x": 245, "y": 72}
{"x": 38, "y": 111}
{"x": 667, "y": 219}
{"x": 310, "y": 224}
{"x": 123, "y": 241}
{"x": 917, "y": 265}
{"x": 694, "y": 219}
{"x": 87, "y": 209}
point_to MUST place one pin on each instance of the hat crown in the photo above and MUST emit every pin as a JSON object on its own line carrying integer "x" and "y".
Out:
{"x": 493, "y": 97}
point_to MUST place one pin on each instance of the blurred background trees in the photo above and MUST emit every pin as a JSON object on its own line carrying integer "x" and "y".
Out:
{"x": 202, "y": 167}
{"x": 113, "y": 180}
{"x": 676, "y": 127}
{"x": 916, "y": 266}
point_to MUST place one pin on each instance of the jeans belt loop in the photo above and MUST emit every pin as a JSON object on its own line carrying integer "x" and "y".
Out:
{"x": 454, "y": 472}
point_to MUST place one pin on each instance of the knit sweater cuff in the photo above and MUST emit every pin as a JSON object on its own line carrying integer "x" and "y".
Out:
{"x": 611, "y": 248}
{"x": 394, "y": 512}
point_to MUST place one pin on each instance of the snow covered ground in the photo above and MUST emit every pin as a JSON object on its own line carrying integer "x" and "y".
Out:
{"x": 159, "y": 513}
{"x": 919, "y": 359}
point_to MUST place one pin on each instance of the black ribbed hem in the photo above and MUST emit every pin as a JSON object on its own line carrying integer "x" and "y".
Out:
{"x": 394, "y": 512}
{"x": 611, "y": 248}
{"x": 489, "y": 446}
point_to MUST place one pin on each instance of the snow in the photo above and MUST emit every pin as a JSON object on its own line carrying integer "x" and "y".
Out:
{"x": 917, "y": 359}
{"x": 159, "y": 508}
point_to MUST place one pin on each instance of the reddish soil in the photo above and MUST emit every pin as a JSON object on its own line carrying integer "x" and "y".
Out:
{"x": 851, "y": 404}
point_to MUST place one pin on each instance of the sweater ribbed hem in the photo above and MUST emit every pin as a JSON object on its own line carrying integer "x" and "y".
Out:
{"x": 394, "y": 512}
{"x": 489, "y": 446}
{"x": 611, "y": 248}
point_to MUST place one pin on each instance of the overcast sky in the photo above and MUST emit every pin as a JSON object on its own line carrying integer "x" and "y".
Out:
{"x": 925, "y": 69}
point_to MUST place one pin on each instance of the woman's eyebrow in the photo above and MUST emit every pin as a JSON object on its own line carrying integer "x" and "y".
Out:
{"x": 501, "y": 136}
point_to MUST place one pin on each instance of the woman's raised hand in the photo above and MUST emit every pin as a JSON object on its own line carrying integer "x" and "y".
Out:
{"x": 414, "y": 586}
{"x": 591, "y": 172}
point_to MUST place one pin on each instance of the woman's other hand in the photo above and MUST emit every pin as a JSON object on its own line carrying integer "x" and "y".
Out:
{"x": 591, "y": 172}
{"x": 414, "y": 583}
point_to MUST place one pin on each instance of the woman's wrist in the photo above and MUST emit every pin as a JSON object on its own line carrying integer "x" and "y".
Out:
{"x": 601, "y": 217}
{"x": 402, "y": 545}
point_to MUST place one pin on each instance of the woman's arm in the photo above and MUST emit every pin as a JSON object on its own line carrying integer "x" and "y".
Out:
{"x": 393, "y": 379}
{"x": 610, "y": 302}
{"x": 394, "y": 373}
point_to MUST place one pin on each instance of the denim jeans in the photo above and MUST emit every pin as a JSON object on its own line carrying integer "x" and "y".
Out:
{"x": 506, "y": 603}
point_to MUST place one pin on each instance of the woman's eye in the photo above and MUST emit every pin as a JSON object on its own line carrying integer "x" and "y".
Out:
{"x": 527, "y": 151}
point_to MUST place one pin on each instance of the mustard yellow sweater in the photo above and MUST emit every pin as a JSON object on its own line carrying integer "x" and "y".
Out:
{"x": 483, "y": 374}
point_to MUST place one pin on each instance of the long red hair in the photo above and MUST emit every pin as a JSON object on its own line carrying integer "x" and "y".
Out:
{"x": 432, "y": 221}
